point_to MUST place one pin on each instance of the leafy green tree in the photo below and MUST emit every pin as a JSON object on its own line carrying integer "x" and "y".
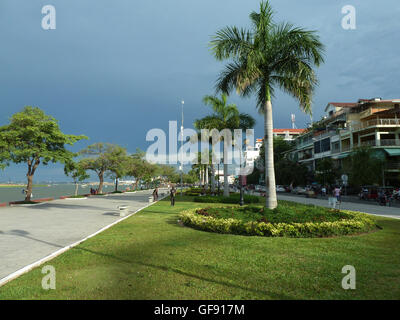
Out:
{"x": 118, "y": 158}
{"x": 103, "y": 158}
{"x": 33, "y": 137}
{"x": 281, "y": 146}
{"x": 190, "y": 177}
{"x": 169, "y": 173}
{"x": 364, "y": 167}
{"x": 266, "y": 57}
{"x": 326, "y": 172}
{"x": 225, "y": 116}
{"x": 76, "y": 172}
{"x": 140, "y": 169}
{"x": 286, "y": 172}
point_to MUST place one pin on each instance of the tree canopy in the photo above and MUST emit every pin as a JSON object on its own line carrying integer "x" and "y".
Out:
{"x": 33, "y": 137}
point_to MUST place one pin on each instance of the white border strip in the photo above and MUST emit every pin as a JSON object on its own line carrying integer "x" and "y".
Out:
{"x": 36, "y": 264}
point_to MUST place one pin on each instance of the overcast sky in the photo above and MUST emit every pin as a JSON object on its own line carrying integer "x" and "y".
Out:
{"x": 113, "y": 70}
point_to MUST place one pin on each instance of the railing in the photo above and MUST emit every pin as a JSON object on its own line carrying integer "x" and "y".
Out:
{"x": 369, "y": 143}
{"x": 345, "y": 148}
{"x": 376, "y": 122}
{"x": 390, "y": 142}
{"x": 393, "y": 165}
{"x": 383, "y": 143}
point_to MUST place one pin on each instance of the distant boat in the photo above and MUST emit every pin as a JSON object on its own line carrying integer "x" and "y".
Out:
{"x": 84, "y": 185}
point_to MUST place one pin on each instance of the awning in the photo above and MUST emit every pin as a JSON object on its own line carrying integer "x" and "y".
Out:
{"x": 393, "y": 152}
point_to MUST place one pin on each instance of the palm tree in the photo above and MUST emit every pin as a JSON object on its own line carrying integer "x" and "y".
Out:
{"x": 225, "y": 116}
{"x": 263, "y": 58}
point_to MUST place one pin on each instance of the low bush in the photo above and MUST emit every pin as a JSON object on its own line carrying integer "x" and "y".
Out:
{"x": 281, "y": 222}
{"x": 194, "y": 192}
{"x": 232, "y": 199}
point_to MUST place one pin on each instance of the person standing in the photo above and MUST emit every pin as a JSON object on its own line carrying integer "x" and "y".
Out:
{"x": 155, "y": 195}
{"x": 336, "y": 193}
{"x": 323, "y": 191}
{"x": 172, "y": 195}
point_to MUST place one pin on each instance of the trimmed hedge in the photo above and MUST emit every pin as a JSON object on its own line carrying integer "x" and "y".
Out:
{"x": 232, "y": 199}
{"x": 355, "y": 223}
{"x": 194, "y": 192}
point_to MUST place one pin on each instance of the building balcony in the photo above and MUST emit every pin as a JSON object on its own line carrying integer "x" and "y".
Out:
{"x": 393, "y": 166}
{"x": 376, "y": 123}
{"x": 383, "y": 143}
{"x": 390, "y": 142}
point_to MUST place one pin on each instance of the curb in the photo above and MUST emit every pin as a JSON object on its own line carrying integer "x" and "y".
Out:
{"x": 53, "y": 255}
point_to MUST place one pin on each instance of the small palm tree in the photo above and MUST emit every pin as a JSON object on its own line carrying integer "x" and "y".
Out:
{"x": 266, "y": 57}
{"x": 225, "y": 116}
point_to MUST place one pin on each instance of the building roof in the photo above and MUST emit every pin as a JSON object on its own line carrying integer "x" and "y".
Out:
{"x": 360, "y": 102}
{"x": 343, "y": 104}
{"x": 290, "y": 130}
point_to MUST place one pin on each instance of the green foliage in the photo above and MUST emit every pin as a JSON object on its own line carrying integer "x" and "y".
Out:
{"x": 286, "y": 171}
{"x": 280, "y": 147}
{"x": 105, "y": 158}
{"x": 139, "y": 168}
{"x": 290, "y": 172}
{"x": 326, "y": 172}
{"x": 268, "y": 55}
{"x": 76, "y": 171}
{"x": 287, "y": 220}
{"x": 363, "y": 167}
{"x": 233, "y": 199}
{"x": 33, "y": 137}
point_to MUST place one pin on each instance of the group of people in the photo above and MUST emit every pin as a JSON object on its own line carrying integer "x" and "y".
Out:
{"x": 94, "y": 191}
{"x": 172, "y": 194}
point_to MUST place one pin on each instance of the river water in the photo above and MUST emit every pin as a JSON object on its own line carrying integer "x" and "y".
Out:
{"x": 52, "y": 191}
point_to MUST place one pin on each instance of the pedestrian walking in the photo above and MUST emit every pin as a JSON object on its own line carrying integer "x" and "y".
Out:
{"x": 172, "y": 196}
{"x": 155, "y": 195}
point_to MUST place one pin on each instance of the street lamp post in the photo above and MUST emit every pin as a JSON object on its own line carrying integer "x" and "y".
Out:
{"x": 241, "y": 202}
{"x": 183, "y": 102}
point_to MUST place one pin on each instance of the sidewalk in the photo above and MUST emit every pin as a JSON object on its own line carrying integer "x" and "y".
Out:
{"x": 30, "y": 233}
{"x": 391, "y": 212}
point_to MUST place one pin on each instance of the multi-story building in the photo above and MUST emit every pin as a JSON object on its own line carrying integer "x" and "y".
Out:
{"x": 252, "y": 153}
{"x": 373, "y": 122}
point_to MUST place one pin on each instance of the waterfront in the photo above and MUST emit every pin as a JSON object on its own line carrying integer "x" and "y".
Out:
{"x": 15, "y": 193}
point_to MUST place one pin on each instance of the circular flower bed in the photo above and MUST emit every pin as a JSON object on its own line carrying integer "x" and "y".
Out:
{"x": 297, "y": 221}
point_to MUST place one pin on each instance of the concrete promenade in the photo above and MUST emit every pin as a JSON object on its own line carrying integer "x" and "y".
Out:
{"x": 30, "y": 233}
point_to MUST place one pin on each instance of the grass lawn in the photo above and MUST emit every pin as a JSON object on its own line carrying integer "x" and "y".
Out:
{"x": 150, "y": 256}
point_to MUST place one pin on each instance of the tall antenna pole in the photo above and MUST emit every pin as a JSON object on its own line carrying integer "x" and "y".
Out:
{"x": 293, "y": 121}
{"x": 183, "y": 102}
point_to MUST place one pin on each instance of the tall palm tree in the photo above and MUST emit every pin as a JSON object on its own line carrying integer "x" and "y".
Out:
{"x": 225, "y": 116}
{"x": 263, "y": 58}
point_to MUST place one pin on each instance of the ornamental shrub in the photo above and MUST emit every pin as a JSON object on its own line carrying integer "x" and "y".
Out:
{"x": 349, "y": 223}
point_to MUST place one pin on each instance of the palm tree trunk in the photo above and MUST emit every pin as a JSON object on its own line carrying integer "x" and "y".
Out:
{"x": 212, "y": 178}
{"x": 76, "y": 188}
{"x": 206, "y": 175}
{"x": 226, "y": 184}
{"x": 270, "y": 195}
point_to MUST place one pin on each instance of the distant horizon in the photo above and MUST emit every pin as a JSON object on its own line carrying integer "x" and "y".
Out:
{"x": 113, "y": 77}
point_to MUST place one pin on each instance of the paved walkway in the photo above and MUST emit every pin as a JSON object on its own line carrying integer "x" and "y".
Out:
{"x": 30, "y": 233}
{"x": 392, "y": 212}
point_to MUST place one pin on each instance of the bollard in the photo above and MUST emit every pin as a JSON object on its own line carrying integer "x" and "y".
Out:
{"x": 151, "y": 199}
{"x": 123, "y": 211}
